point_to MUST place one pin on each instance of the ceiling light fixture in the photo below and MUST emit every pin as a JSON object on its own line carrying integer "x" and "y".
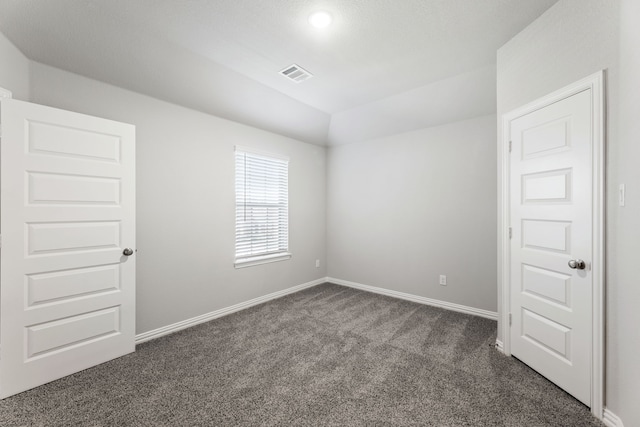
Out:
{"x": 320, "y": 19}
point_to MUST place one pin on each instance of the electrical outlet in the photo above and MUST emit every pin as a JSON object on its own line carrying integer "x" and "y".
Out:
{"x": 443, "y": 280}
{"x": 317, "y": 263}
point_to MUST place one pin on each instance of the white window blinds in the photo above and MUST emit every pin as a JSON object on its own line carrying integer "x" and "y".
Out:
{"x": 262, "y": 208}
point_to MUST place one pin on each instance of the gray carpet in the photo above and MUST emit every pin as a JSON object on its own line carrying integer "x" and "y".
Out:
{"x": 327, "y": 356}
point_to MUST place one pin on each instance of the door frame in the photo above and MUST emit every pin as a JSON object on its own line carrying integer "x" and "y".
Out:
{"x": 595, "y": 82}
{"x": 4, "y": 93}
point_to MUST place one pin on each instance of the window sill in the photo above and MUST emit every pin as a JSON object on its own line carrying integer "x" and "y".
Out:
{"x": 250, "y": 262}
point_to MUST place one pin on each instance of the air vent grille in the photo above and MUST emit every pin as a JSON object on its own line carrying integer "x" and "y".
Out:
{"x": 296, "y": 73}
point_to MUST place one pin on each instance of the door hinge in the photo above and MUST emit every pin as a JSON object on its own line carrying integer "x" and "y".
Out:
{"x": 510, "y": 232}
{"x": 510, "y": 144}
{"x": 510, "y": 319}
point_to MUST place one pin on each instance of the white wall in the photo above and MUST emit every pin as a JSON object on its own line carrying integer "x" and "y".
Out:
{"x": 185, "y": 200}
{"x": 456, "y": 98}
{"x": 14, "y": 70}
{"x": 571, "y": 40}
{"x": 623, "y": 392}
{"x": 404, "y": 209}
{"x": 574, "y": 39}
{"x": 398, "y": 215}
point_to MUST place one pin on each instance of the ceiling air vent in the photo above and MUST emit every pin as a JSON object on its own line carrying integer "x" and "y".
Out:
{"x": 296, "y": 73}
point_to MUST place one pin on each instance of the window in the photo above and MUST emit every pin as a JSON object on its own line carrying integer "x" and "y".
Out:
{"x": 262, "y": 208}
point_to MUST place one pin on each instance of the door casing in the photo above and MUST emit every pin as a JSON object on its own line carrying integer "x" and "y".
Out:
{"x": 596, "y": 83}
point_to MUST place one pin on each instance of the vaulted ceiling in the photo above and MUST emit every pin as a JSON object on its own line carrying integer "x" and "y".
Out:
{"x": 223, "y": 56}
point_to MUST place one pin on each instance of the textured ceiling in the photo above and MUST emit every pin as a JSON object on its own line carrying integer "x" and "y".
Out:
{"x": 187, "y": 50}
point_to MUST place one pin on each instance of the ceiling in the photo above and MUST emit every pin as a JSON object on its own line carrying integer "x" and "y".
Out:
{"x": 194, "y": 52}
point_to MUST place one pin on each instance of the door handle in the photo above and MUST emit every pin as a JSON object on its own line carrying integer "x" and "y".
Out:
{"x": 127, "y": 252}
{"x": 577, "y": 264}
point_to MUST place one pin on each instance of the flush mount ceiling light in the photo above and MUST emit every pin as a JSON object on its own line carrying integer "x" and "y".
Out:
{"x": 320, "y": 19}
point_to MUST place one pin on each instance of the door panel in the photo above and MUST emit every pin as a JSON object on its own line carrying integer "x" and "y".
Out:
{"x": 545, "y": 187}
{"x": 546, "y": 235}
{"x": 546, "y": 333}
{"x": 48, "y": 188}
{"x": 551, "y": 220}
{"x": 546, "y": 284}
{"x": 67, "y": 212}
{"x": 51, "y": 237}
{"x": 60, "y": 286}
{"x": 53, "y": 139}
{"x": 544, "y": 140}
{"x": 61, "y": 334}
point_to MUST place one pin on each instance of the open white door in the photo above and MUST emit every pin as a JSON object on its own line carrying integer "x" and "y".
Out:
{"x": 67, "y": 214}
{"x": 552, "y": 220}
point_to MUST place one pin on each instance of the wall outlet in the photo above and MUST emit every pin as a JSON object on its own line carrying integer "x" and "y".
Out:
{"x": 317, "y": 263}
{"x": 443, "y": 280}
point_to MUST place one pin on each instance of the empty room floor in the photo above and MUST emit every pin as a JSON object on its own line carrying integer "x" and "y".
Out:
{"x": 328, "y": 355}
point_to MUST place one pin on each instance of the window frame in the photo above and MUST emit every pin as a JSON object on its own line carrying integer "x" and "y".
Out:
{"x": 240, "y": 190}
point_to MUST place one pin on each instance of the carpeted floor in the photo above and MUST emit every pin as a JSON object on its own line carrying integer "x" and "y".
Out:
{"x": 326, "y": 356}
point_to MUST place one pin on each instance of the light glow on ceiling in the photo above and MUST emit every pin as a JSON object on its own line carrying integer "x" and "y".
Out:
{"x": 320, "y": 19}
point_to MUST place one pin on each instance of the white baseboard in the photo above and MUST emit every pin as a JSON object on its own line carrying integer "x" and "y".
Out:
{"x": 610, "y": 419}
{"x": 178, "y": 326}
{"x": 175, "y": 327}
{"x": 415, "y": 298}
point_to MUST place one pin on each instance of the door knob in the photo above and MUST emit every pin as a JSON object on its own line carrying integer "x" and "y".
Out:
{"x": 129, "y": 251}
{"x": 577, "y": 264}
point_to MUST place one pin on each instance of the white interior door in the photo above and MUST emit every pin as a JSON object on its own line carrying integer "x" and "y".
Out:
{"x": 551, "y": 220}
{"x": 67, "y": 299}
